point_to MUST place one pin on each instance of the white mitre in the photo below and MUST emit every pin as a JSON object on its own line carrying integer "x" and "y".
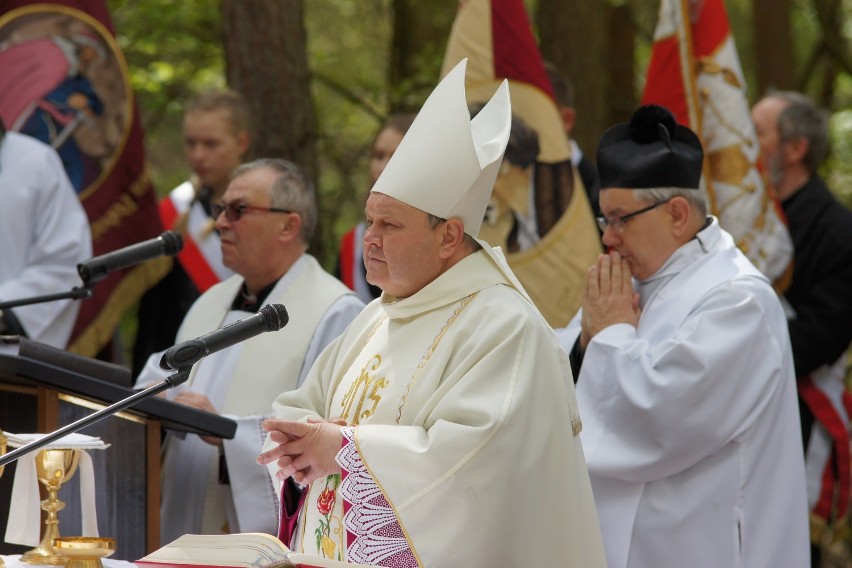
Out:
{"x": 447, "y": 163}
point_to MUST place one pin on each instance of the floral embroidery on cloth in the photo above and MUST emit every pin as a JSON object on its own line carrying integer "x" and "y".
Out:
{"x": 374, "y": 534}
{"x": 325, "y": 506}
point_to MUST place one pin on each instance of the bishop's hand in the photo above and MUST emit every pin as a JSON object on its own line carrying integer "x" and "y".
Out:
{"x": 305, "y": 451}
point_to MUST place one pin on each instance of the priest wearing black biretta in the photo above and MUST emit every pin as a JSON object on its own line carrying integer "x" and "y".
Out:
{"x": 684, "y": 372}
{"x": 650, "y": 151}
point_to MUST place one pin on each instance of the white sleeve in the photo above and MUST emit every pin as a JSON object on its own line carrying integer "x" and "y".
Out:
{"x": 335, "y": 320}
{"x": 711, "y": 378}
{"x": 254, "y": 494}
{"x": 151, "y": 372}
{"x": 46, "y": 232}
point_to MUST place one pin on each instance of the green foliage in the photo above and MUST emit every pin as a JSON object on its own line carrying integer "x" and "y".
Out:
{"x": 175, "y": 48}
{"x": 172, "y": 49}
{"x": 839, "y": 164}
{"x": 348, "y": 44}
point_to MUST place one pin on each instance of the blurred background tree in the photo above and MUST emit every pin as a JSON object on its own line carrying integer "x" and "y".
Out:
{"x": 362, "y": 61}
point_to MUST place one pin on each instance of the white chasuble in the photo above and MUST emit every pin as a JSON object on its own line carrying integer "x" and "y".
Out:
{"x": 460, "y": 445}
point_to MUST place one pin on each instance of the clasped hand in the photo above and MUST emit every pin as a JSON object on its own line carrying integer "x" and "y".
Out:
{"x": 306, "y": 450}
{"x": 608, "y": 297}
{"x": 201, "y": 402}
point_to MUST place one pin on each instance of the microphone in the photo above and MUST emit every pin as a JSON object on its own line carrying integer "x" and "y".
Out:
{"x": 271, "y": 318}
{"x": 94, "y": 269}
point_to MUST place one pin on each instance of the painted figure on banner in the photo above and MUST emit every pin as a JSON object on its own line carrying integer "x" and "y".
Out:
{"x": 50, "y": 90}
{"x": 65, "y": 82}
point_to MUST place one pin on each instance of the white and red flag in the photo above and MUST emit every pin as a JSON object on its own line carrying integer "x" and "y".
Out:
{"x": 695, "y": 72}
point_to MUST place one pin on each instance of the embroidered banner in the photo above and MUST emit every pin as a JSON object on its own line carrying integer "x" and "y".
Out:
{"x": 695, "y": 72}
{"x": 64, "y": 80}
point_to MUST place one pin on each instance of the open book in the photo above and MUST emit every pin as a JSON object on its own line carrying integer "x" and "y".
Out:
{"x": 242, "y": 550}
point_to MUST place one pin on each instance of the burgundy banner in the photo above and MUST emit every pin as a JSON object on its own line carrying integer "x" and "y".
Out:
{"x": 64, "y": 80}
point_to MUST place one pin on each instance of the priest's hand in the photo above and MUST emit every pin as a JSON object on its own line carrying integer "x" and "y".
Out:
{"x": 608, "y": 297}
{"x": 201, "y": 402}
{"x": 305, "y": 451}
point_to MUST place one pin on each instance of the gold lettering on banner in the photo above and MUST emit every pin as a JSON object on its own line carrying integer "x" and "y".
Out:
{"x": 364, "y": 388}
{"x": 140, "y": 185}
{"x": 125, "y": 207}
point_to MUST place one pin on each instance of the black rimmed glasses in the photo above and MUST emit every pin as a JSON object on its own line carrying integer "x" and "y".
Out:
{"x": 234, "y": 211}
{"x": 618, "y": 222}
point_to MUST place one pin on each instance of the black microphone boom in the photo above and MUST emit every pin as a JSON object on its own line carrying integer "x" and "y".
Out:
{"x": 271, "y": 318}
{"x": 168, "y": 243}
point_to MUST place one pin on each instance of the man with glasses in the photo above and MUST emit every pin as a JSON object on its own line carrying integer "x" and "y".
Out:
{"x": 793, "y": 136}
{"x": 215, "y": 141}
{"x": 684, "y": 372}
{"x": 265, "y": 221}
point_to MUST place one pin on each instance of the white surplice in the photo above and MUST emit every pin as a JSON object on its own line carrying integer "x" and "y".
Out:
{"x": 691, "y": 425}
{"x": 459, "y": 449}
{"x": 241, "y": 382}
{"x": 44, "y": 234}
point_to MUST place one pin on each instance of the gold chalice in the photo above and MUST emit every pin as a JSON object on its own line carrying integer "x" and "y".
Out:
{"x": 84, "y": 551}
{"x": 54, "y": 467}
{"x": 3, "y": 443}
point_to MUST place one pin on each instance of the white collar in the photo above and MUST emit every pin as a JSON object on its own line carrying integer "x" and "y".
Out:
{"x": 703, "y": 242}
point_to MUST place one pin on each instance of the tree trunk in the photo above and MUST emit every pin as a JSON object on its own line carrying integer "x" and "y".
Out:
{"x": 830, "y": 18}
{"x": 420, "y": 34}
{"x": 773, "y": 45}
{"x": 622, "y": 68}
{"x": 266, "y": 59}
{"x": 571, "y": 38}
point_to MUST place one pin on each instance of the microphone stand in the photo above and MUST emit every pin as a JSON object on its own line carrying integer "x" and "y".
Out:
{"x": 76, "y": 293}
{"x": 169, "y": 382}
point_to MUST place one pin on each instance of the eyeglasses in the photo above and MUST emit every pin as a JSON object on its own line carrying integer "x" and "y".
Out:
{"x": 234, "y": 211}
{"x": 618, "y": 222}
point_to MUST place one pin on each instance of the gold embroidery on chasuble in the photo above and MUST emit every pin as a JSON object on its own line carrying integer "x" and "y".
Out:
{"x": 322, "y": 532}
{"x": 366, "y": 383}
{"x": 364, "y": 390}
{"x": 459, "y": 309}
